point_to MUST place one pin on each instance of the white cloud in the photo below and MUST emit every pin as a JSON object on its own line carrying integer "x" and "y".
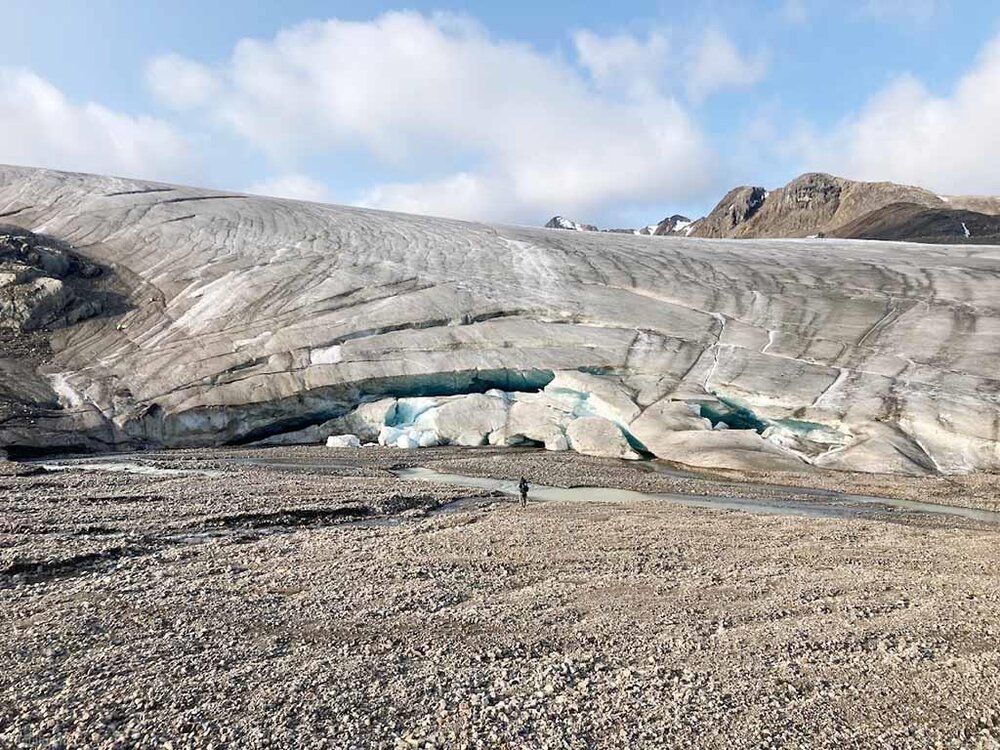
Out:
{"x": 623, "y": 61}
{"x": 532, "y": 133}
{"x": 181, "y": 83}
{"x": 717, "y": 64}
{"x": 636, "y": 154}
{"x": 296, "y": 186}
{"x": 907, "y": 134}
{"x": 460, "y": 195}
{"x": 40, "y": 127}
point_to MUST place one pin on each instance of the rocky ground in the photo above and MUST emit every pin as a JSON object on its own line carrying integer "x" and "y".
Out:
{"x": 307, "y": 598}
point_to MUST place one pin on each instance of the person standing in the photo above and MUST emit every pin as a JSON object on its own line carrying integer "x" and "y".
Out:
{"x": 523, "y": 487}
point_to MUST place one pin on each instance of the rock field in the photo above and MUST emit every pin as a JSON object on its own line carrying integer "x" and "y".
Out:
{"x": 307, "y": 598}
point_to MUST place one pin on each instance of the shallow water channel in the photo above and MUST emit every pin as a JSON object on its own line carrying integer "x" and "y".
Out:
{"x": 826, "y": 505}
{"x": 821, "y": 503}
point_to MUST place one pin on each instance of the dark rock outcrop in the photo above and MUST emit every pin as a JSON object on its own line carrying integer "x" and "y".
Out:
{"x": 736, "y": 208}
{"x": 821, "y": 204}
{"x": 46, "y": 288}
{"x": 38, "y": 282}
{"x": 915, "y": 223}
{"x": 810, "y": 204}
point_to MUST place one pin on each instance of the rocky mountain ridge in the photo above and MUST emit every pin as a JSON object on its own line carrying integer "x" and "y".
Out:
{"x": 916, "y": 223}
{"x": 675, "y": 225}
{"x": 817, "y": 204}
{"x": 561, "y": 222}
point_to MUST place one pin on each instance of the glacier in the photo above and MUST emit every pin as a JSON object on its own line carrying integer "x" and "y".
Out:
{"x": 553, "y": 419}
{"x": 252, "y": 320}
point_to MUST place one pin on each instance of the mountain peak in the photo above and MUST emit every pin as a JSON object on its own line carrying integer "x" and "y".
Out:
{"x": 561, "y": 222}
{"x": 672, "y": 225}
{"x": 818, "y": 204}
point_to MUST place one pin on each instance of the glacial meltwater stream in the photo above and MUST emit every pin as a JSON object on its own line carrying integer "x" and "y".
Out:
{"x": 820, "y": 503}
{"x": 826, "y": 505}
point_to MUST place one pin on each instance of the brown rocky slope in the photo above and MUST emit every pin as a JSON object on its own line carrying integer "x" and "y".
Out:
{"x": 915, "y": 223}
{"x": 816, "y": 203}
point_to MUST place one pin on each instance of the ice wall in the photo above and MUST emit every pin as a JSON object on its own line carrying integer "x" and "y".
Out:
{"x": 259, "y": 319}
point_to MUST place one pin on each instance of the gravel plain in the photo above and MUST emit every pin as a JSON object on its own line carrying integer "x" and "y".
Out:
{"x": 307, "y": 598}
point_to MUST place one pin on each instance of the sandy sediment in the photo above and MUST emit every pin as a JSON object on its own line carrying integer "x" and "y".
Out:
{"x": 331, "y": 605}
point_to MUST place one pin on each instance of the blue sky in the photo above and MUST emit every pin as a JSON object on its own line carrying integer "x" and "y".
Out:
{"x": 616, "y": 113}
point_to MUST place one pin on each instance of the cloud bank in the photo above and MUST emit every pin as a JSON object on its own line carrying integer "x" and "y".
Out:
{"x": 295, "y": 186}
{"x": 906, "y": 133}
{"x": 533, "y": 133}
{"x": 41, "y": 127}
{"x": 716, "y": 64}
{"x": 456, "y": 122}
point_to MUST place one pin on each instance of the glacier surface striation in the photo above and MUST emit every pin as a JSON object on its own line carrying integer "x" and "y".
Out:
{"x": 251, "y": 319}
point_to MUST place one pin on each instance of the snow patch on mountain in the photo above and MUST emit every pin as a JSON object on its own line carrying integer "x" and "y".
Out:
{"x": 670, "y": 226}
{"x": 561, "y": 222}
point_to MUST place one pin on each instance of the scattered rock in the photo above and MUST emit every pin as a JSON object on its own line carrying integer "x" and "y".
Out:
{"x": 428, "y": 621}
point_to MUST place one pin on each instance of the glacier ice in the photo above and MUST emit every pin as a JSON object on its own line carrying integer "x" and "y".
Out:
{"x": 596, "y": 436}
{"x": 343, "y": 441}
{"x": 726, "y": 413}
{"x": 891, "y": 348}
{"x": 563, "y": 416}
{"x": 468, "y": 420}
{"x": 593, "y": 416}
{"x": 558, "y": 418}
{"x": 533, "y": 418}
{"x": 591, "y": 395}
{"x": 806, "y": 439}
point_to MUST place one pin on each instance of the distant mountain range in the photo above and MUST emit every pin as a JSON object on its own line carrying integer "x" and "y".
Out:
{"x": 817, "y": 205}
{"x": 672, "y": 225}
